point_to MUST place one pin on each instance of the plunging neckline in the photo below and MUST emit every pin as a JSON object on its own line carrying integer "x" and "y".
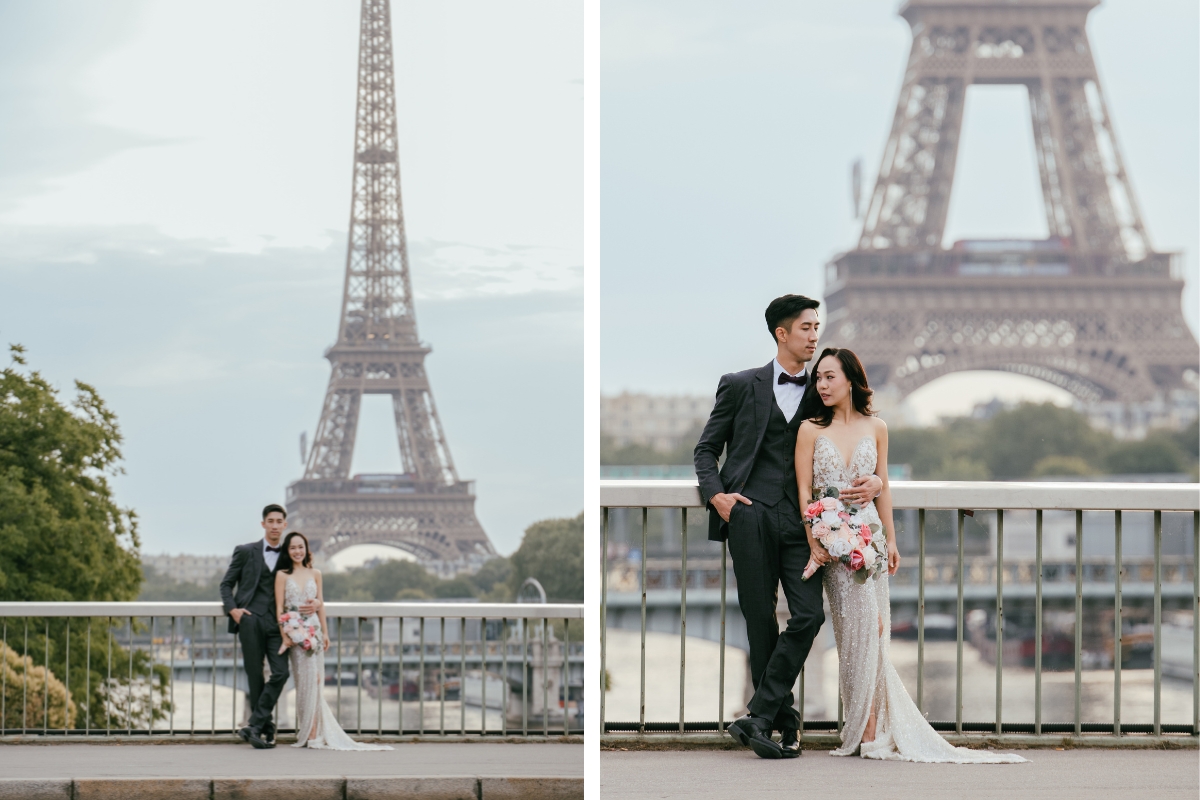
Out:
{"x": 845, "y": 462}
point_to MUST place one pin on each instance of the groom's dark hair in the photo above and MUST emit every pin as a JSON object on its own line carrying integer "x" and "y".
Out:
{"x": 782, "y": 311}
{"x": 274, "y": 507}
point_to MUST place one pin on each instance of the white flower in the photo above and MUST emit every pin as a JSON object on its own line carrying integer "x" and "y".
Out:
{"x": 839, "y": 547}
{"x": 869, "y": 554}
{"x": 831, "y": 519}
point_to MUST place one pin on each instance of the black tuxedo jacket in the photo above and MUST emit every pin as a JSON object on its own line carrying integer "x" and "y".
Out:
{"x": 736, "y": 426}
{"x": 244, "y": 573}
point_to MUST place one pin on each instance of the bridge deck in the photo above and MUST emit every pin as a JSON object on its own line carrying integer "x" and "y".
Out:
{"x": 1056, "y": 775}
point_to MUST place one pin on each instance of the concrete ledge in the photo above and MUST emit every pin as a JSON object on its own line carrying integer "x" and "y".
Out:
{"x": 828, "y": 741}
{"x": 408, "y": 788}
{"x": 531, "y": 789}
{"x": 289, "y": 788}
{"x": 35, "y": 789}
{"x": 269, "y": 788}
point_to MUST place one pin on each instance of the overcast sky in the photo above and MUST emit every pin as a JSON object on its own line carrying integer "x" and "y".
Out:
{"x": 174, "y": 196}
{"x": 727, "y": 135}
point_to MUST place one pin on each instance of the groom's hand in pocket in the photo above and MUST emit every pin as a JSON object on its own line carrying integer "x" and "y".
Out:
{"x": 237, "y": 614}
{"x": 724, "y": 503}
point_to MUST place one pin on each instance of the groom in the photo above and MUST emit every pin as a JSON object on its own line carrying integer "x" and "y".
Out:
{"x": 753, "y": 503}
{"x": 248, "y": 595}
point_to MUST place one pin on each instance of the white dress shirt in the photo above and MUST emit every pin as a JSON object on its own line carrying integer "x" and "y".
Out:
{"x": 270, "y": 557}
{"x": 787, "y": 395}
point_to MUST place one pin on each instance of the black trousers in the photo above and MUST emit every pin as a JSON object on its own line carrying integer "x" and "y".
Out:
{"x": 261, "y": 639}
{"x": 769, "y": 546}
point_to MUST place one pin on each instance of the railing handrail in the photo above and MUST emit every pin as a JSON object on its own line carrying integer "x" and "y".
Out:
{"x": 950, "y": 495}
{"x": 335, "y": 610}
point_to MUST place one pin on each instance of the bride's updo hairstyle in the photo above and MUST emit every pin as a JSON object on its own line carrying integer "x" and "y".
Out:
{"x": 812, "y": 408}
{"x": 285, "y": 564}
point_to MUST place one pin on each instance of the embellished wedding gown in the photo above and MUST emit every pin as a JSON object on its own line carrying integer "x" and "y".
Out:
{"x": 865, "y": 672}
{"x": 316, "y": 725}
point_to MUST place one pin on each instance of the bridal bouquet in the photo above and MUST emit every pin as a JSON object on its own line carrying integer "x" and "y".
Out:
{"x": 304, "y": 633}
{"x": 845, "y": 533}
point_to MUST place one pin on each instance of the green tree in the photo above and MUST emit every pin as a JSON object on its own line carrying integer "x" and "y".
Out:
{"x": 163, "y": 588}
{"x": 552, "y": 552}
{"x": 1016, "y": 439}
{"x": 381, "y": 583}
{"x": 62, "y": 535}
{"x": 1158, "y": 452}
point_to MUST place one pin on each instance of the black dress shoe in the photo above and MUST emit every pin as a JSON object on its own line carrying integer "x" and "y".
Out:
{"x": 789, "y": 742}
{"x": 254, "y": 737}
{"x": 756, "y": 734}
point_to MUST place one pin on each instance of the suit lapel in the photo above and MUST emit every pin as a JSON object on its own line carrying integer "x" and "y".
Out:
{"x": 260, "y": 563}
{"x": 764, "y": 396}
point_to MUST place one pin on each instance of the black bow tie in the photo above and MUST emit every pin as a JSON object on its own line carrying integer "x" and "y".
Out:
{"x": 799, "y": 380}
{"x": 273, "y": 549}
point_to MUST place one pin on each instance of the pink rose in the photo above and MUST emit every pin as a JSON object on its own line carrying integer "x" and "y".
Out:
{"x": 829, "y": 503}
{"x": 821, "y": 530}
{"x": 856, "y": 559}
{"x": 814, "y": 509}
{"x": 864, "y": 533}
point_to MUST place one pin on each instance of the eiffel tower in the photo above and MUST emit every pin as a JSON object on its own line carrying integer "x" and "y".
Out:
{"x": 426, "y": 510}
{"x": 1093, "y": 309}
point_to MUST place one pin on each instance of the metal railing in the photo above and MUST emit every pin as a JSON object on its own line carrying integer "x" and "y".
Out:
{"x": 173, "y": 669}
{"x": 963, "y": 499}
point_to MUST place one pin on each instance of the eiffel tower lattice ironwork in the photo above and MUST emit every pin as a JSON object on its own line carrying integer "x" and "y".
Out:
{"x": 426, "y": 510}
{"x": 1093, "y": 309}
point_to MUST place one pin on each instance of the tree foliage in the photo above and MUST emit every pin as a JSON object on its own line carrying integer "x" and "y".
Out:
{"x": 63, "y": 537}
{"x": 1035, "y": 440}
{"x": 551, "y": 552}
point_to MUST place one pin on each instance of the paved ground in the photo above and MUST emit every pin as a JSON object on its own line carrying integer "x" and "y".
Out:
{"x": 229, "y": 760}
{"x": 1054, "y": 775}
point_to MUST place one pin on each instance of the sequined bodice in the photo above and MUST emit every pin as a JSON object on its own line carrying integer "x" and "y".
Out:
{"x": 830, "y": 470}
{"x": 293, "y": 596}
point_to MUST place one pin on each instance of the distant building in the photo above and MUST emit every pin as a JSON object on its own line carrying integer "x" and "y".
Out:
{"x": 659, "y": 421}
{"x": 1173, "y": 411}
{"x": 188, "y": 569}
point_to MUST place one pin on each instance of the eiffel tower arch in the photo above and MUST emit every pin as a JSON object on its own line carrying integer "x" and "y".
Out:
{"x": 426, "y": 510}
{"x": 1093, "y": 309}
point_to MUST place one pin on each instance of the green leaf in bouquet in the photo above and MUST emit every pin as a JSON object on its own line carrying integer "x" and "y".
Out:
{"x": 860, "y": 575}
{"x": 874, "y": 526}
{"x": 831, "y": 491}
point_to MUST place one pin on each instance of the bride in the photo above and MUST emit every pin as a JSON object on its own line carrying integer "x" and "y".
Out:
{"x": 841, "y": 440}
{"x": 296, "y": 582}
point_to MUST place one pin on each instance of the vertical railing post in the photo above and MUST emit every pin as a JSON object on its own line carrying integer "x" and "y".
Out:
{"x": 566, "y": 676}
{"x": 421, "y": 682}
{"x": 192, "y": 657}
{"x": 642, "y": 667}
{"x": 1158, "y": 623}
{"x": 1078, "y": 621}
{"x": 483, "y": 673}
{"x": 999, "y": 620}
{"x": 603, "y": 616}
{"x": 379, "y": 680}
{"x": 108, "y": 634}
{"x": 171, "y": 723}
{"x": 921, "y": 610}
{"x": 338, "y": 691}
{"x": 721, "y": 672}
{"x": 67, "y": 679}
{"x": 462, "y": 676}
{"x": 526, "y": 676}
{"x": 504, "y": 669}
{"x": 683, "y": 582}
{"x": 545, "y": 677}
{"x": 442, "y": 680}
{"x": 4, "y": 682}
{"x": 1196, "y": 623}
{"x": 1118, "y": 649}
{"x": 958, "y": 671}
{"x": 46, "y": 685}
{"x": 358, "y": 626}
{"x": 212, "y": 667}
{"x": 1037, "y": 628}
